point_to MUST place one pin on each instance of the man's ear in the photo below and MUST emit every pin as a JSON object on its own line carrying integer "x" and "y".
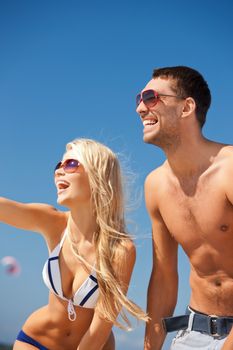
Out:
{"x": 189, "y": 107}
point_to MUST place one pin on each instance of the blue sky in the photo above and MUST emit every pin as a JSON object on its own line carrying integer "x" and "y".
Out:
{"x": 72, "y": 69}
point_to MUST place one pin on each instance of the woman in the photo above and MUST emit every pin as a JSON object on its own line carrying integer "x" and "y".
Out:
{"x": 91, "y": 257}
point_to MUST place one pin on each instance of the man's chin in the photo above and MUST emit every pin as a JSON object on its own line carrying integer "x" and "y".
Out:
{"x": 152, "y": 140}
{"x": 148, "y": 138}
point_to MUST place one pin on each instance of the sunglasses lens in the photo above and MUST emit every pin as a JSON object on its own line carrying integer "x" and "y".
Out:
{"x": 138, "y": 99}
{"x": 57, "y": 166}
{"x": 149, "y": 98}
{"x": 71, "y": 165}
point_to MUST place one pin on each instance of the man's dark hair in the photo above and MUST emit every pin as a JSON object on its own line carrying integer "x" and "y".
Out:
{"x": 188, "y": 83}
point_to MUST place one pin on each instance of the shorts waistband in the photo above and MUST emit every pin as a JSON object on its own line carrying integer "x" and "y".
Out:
{"x": 216, "y": 326}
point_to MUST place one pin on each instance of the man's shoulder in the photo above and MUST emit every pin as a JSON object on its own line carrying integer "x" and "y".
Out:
{"x": 157, "y": 175}
{"x": 225, "y": 166}
{"x": 227, "y": 150}
{"x": 155, "y": 187}
{"x": 225, "y": 155}
{"x": 223, "y": 162}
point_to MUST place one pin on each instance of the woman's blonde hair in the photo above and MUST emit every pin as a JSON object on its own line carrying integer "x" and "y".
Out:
{"x": 105, "y": 177}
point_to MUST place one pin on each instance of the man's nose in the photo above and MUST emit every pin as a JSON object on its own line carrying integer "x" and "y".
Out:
{"x": 142, "y": 109}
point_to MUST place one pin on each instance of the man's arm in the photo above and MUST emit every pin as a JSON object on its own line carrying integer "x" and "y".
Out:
{"x": 163, "y": 285}
{"x": 228, "y": 173}
{"x": 228, "y": 345}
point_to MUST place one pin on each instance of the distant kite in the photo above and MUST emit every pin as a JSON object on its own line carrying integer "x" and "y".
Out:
{"x": 11, "y": 265}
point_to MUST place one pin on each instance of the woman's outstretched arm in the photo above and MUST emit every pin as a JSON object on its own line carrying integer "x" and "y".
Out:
{"x": 35, "y": 217}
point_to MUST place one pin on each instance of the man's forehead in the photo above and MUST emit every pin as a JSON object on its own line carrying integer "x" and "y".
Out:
{"x": 160, "y": 84}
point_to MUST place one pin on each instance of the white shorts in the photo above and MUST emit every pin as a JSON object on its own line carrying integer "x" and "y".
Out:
{"x": 190, "y": 340}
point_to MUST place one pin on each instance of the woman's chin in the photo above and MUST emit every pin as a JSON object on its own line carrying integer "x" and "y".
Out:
{"x": 61, "y": 201}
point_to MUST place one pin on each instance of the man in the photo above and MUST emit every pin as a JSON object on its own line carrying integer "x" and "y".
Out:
{"x": 190, "y": 202}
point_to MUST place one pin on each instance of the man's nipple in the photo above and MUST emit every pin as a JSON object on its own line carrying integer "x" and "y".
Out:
{"x": 224, "y": 228}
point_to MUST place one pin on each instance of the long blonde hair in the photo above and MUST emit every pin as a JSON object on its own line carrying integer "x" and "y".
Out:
{"x": 103, "y": 169}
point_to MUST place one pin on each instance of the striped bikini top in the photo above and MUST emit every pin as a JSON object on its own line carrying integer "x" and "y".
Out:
{"x": 86, "y": 295}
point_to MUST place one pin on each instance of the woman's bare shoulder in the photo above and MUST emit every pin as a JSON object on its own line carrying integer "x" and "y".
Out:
{"x": 51, "y": 221}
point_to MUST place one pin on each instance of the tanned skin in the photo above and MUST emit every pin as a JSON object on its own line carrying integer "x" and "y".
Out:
{"x": 189, "y": 200}
{"x": 228, "y": 345}
{"x": 50, "y": 325}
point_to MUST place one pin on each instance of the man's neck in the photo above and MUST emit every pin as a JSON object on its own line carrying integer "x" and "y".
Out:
{"x": 192, "y": 156}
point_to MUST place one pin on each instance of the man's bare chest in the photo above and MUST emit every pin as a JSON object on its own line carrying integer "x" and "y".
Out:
{"x": 197, "y": 213}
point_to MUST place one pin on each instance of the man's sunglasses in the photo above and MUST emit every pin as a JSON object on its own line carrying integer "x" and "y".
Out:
{"x": 151, "y": 97}
{"x": 69, "y": 166}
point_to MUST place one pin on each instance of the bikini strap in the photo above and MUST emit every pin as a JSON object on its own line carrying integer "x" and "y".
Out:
{"x": 63, "y": 238}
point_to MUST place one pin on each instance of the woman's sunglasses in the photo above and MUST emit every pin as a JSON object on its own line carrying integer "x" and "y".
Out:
{"x": 69, "y": 166}
{"x": 150, "y": 98}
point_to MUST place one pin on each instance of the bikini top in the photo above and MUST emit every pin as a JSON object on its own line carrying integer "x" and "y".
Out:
{"x": 86, "y": 295}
